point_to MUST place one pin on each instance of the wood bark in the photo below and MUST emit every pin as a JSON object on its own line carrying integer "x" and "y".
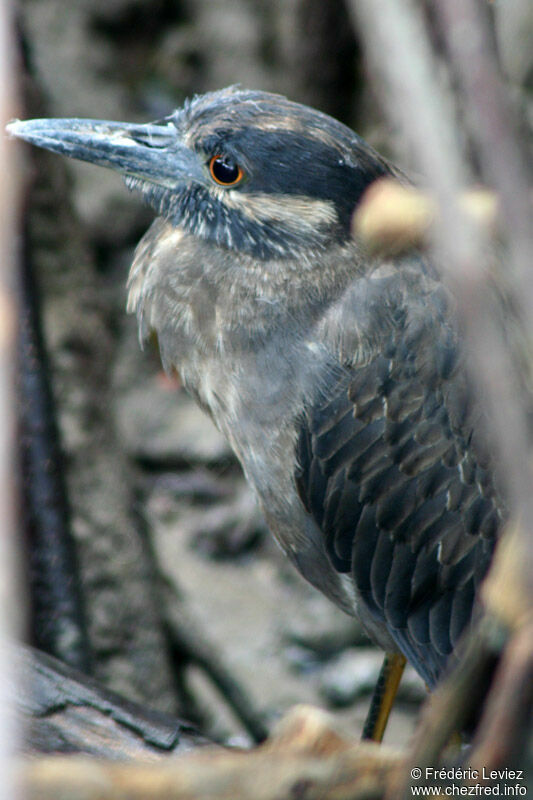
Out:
{"x": 64, "y": 711}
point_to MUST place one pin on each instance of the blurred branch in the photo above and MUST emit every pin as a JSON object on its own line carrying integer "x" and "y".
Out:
{"x": 10, "y": 604}
{"x": 393, "y": 218}
{"x": 58, "y": 623}
{"x": 504, "y": 732}
{"x": 494, "y": 128}
{"x": 304, "y": 759}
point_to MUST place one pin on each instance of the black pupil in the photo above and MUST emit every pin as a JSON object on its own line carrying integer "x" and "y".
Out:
{"x": 225, "y": 170}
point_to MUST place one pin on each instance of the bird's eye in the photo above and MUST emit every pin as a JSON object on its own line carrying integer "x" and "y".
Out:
{"x": 225, "y": 171}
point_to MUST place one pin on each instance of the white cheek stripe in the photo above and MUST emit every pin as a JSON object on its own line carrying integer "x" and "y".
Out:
{"x": 295, "y": 210}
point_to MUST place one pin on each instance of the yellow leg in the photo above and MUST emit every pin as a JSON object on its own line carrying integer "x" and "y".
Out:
{"x": 384, "y": 696}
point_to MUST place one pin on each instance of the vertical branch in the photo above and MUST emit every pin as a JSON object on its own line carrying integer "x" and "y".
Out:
{"x": 9, "y": 607}
{"x": 57, "y": 619}
{"x": 465, "y": 29}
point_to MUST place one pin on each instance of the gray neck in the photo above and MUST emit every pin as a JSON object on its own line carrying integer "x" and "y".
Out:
{"x": 177, "y": 281}
{"x": 240, "y": 332}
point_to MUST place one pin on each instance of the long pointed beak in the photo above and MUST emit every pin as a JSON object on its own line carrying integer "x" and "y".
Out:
{"x": 152, "y": 152}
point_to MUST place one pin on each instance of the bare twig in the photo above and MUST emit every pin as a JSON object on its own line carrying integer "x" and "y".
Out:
{"x": 504, "y": 732}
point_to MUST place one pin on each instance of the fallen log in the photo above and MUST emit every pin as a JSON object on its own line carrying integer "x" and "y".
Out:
{"x": 64, "y": 711}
